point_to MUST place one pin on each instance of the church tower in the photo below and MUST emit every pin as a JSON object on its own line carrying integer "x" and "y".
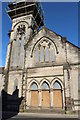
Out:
{"x": 27, "y": 18}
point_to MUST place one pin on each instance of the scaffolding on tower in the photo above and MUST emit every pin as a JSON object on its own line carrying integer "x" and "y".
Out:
{"x": 24, "y": 7}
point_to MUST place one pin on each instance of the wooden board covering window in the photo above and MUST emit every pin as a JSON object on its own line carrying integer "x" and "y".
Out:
{"x": 45, "y": 99}
{"x": 34, "y": 98}
{"x": 57, "y": 98}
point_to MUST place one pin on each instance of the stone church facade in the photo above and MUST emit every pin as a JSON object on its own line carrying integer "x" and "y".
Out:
{"x": 41, "y": 64}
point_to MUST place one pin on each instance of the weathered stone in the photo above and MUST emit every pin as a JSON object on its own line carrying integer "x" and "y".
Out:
{"x": 21, "y": 65}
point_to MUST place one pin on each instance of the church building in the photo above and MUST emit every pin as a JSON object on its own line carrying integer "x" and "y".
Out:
{"x": 40, "y": 63}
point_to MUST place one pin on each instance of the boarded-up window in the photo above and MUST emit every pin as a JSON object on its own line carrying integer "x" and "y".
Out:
{"x": 34, "y": 95}
{"x": 45, "y": 95}
{"x": 57, "y": 95}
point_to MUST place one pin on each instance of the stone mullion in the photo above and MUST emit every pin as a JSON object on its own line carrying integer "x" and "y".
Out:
{"x": 51, "y": 97}
{"x": 40, "y": 98}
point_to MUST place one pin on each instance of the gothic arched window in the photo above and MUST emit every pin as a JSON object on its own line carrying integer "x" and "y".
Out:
{"x": 41, "y": 54}
{"x": 44, "y": 52}
{"x": 56, "y": 85}
{"x": 45, "y": 86}
{"x": 47, "y": 54}
{"x": 34, "y": 86}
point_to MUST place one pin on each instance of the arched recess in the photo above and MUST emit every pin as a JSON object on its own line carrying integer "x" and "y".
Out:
{"x": 57, "y": 95}
{"x": 34, "y": 95}
{"x": 59, "y": 81}
{"x": 19, "y": 30}
{"x": 44, "y": 80}
{"x": 15, "y": 84}
{"x": 45, "y": 95}
{"x": 40, "y": 40}
{"x": 19, "y": 23}
{"x": 19, "y": 37}
{"x": 32, "y": 81}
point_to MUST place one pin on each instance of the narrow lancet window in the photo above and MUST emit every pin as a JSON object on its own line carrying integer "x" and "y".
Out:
{"x": 46, "y": 54}
{"x": 41, "y": 55}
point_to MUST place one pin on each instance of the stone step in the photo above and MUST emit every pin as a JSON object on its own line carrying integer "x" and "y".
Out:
{"x": 53, "y": 111}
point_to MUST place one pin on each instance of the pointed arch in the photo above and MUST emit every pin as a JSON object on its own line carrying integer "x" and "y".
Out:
{"x": 33, "y": 86}
{"x": 20, "y": 22}
{"x": 34, "y": 93}
{"x": 31, "y": 82}
{"x": 57, "y": 93}
{"x": 44, "y": 81}
{"x": 57, "y": 85}
{"x": 45, "y": 86}
{"x": 58, "y": 81}
{"x": 40, "y": 40}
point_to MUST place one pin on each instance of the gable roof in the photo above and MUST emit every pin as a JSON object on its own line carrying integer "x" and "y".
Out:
{"x": 64, "y": 38}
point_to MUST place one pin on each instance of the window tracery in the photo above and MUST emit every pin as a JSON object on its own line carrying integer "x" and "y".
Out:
{"x": 44, "y": 52}
{"x": 21, "y": 29}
